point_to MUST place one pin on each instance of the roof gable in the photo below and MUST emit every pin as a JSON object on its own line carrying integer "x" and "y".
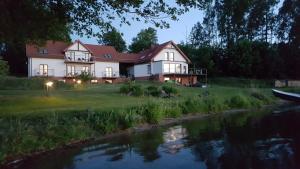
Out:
{"x": 78, "y": 46}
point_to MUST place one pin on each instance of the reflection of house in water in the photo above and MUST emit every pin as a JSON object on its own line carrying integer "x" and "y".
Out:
{"x": 173, "y": 139}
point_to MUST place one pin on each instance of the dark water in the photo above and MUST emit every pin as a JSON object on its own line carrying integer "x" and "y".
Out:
{"x": 254, "y": 140}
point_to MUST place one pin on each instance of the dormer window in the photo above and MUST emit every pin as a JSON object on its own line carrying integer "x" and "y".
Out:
{"x": 43, "y": 51}
{"x": 108, "y": 56}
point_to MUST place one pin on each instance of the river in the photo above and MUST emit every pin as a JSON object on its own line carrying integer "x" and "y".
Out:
{"x": 268, "y": 139}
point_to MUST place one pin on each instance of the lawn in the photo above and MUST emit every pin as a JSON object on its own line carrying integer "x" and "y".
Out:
{"x": 100, "y": 97}
{"x": 31, "y": 121}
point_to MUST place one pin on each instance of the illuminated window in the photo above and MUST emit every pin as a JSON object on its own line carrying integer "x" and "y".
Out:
{"x": 166, "y": 79}
{"x": 108, "y": 72}
{"x": 43, "y": 69}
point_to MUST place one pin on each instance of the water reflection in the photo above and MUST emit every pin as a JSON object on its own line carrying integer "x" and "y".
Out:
{"x": 173, "y": 139}
{"x": 247, "y": 140}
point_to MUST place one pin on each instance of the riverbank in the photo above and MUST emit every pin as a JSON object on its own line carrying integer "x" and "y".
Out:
{"x": 32, "y": 122}
{"x": 15, "y": 161}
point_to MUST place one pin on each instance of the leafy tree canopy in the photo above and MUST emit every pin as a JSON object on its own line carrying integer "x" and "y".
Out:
{"x": 39, "y": 20}
{"x": 115, "y": 39}
{"x": 144, "y": 40}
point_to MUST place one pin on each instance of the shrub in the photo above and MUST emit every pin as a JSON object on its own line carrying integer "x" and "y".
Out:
{"x": 169, "y": 90}
{"x": 152, "y": 113}
{"x": 132, "y": 89}
{"x": 4, "y": 68}
{"x": 153, "y": 91}
{"x": 85, "y": 77}
{"x": 173, "y": 111}
{"x": 260, "y": 96}
{"x": 191, "y": 105}
{"x": 238, "y": 101}
{"x": 213, "y": 104}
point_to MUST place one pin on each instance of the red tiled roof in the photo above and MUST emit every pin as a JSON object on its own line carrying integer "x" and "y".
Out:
{"x": 56, "y": 50}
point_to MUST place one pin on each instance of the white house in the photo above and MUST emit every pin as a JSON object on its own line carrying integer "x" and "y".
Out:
{"x": 61, "y": 60}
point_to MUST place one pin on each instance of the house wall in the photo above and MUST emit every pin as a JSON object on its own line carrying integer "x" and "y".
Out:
{"x": 157, "y": 67}
{"x": 56, "y": 67}
{"x": 141, "y": 70}
{"x": 100, "y": 68}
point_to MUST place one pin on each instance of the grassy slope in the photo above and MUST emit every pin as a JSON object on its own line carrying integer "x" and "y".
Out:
{"x": 30, "y": 121}
{"x": 99, "y": 97}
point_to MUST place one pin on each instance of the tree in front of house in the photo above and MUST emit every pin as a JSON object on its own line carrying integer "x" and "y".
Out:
{"x": 114, "y": 38}
{"x": 4, "y": 68}
{"x": 144, "y": 40}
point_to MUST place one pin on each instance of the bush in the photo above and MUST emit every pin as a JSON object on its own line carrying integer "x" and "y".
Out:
{"x": 213, "y": 104}
{"x": 238, "y": 101}
{"x": 4, "y": 68}
{"x": 152, "y": 113}
{"x": 173, "y": 111}
{"x": 85, "y": 77}
{"x": 191, "y": 105}
{"x": 132, "y": 89}
{"x": 169, "y": 90}
{"x": 260, "y": 97}
{"x": 153, "y": 91}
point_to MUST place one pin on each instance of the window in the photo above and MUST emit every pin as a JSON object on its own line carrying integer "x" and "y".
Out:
{"x": 43, "y": 51}
{"x": 166, "y": 56}
{"x": 43, "y": 69}
{"x": 108, "y": 72}
{"x": 108, "y": 56}
{"x": 70, "y": 70}
{"x": 178, "y": 68}
{"x": 184, "y": 69}
{"x": 166, "y": 68}
{"x": 172, "y": 68}
{"x": 85, "y": 69}
{"x": 178, "y": 80}
{"x": 86, "y": 56}
{"x": 72, "y": 56}
{"x": 149, "y": 69}
{"x": 171, "y": 56}
{"x": 166, "y": 78}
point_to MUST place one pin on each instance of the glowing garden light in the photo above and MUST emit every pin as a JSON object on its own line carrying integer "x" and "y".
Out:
{"x": 48, "y": 85}
{"x": 78, "y": 82}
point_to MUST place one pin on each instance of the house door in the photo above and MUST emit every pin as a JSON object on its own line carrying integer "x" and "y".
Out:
{"x": 108, "y": 72}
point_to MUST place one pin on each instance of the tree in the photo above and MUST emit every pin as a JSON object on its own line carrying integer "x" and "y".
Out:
{"x": 3, "y": 68}
{"x": 198, "y": 36}
{"x": 144, "y": 40}
{"x": 114, "y": 38}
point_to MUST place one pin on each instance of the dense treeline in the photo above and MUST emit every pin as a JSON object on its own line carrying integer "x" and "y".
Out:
{"x": 248, "y": 38}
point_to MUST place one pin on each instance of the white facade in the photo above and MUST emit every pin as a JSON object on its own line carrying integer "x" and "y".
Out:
{"x": 46, "y": 67}
{"x": 77, "y": 59}
{"x": 167, "y": 61}
{"x": 107, "y": 69}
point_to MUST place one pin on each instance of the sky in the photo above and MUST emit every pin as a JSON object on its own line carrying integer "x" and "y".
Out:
{"x": 178, "y": 31}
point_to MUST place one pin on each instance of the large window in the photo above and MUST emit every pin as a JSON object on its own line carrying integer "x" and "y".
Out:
{"x": 172, "y": 68}
{"x": 166, "y": 68}
{"x": 43, "y": 69}
{"x": 108, "y": 72}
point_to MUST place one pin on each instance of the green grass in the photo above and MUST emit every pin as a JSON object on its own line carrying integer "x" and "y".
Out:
{"x": 31, "y": 121}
